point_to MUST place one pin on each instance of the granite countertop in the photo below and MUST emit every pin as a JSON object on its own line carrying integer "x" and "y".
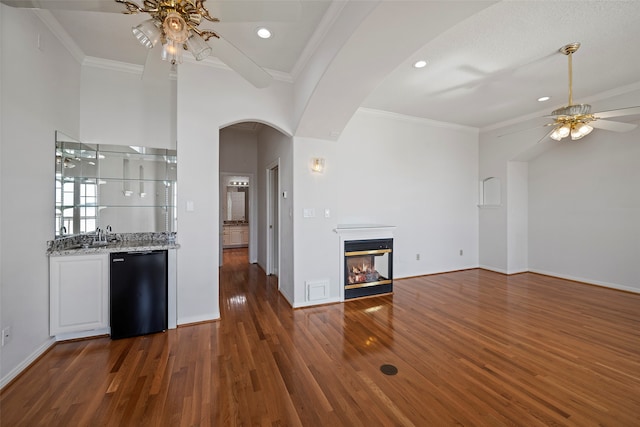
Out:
{"x": 80, "y": 245}
{"x": 115, "y": 247}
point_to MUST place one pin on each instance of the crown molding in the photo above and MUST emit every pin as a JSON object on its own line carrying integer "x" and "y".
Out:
{"x": 60, "y": 33}
{"x": 108, "y": 64}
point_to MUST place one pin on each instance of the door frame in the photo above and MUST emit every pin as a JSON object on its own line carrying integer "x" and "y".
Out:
{"x": 271, "y": 199}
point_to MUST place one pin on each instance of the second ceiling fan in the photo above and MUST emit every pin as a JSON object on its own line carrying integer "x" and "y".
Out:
{"x": 576, "y": 120}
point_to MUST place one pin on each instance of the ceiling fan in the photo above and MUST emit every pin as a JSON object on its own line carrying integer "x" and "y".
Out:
{"x": 173, "y": 23}
{"x": 576, "y": 120}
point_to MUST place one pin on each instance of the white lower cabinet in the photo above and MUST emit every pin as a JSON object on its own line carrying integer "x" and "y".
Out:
{"x": 79, "y": 299}
{"x": 235, "y": 235}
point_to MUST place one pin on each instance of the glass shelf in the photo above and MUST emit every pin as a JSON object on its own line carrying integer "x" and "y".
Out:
{"x": 131, "y": 188}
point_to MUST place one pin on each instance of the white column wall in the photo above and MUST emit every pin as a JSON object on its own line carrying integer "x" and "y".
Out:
{"x": 503, "y": 229}
{"x": 210, "y": 99}
{"x": 418, "y": 175}
{"x": 517, "y": 217}
{"x": 40, "y": 94}
{"x": 274, "y": 146}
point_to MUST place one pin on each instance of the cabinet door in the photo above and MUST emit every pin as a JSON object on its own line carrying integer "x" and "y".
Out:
{"x": 245, "y": 235}
{"x": 79, "y": 293}
{"x": 236, "y": 235}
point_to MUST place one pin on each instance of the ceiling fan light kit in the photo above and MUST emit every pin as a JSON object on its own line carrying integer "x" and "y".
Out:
{"x": 576, "y": 120}
{"x": 175, "y": 24}
{"x": 147, "y": 33}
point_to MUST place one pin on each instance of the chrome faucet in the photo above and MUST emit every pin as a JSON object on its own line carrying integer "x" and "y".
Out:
{"x": 100, "y": 236}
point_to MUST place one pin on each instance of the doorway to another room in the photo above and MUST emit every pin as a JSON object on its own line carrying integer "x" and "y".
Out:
{"x": 235, "y": 208}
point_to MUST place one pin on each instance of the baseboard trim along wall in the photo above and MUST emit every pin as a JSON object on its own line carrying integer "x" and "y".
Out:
{"x": 15, "y": 372}
{"x": 587, "y": 281}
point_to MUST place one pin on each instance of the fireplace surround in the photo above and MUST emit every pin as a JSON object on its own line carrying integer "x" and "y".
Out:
{"x": 366, "y": 260}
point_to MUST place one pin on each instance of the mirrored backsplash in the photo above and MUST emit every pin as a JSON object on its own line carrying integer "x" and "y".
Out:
{"x": 126, "y": 189}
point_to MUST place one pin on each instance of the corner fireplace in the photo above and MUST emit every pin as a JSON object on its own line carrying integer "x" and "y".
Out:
{"x": 368, "y": 267}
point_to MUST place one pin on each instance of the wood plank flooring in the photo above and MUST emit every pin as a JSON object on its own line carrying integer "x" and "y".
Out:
{"x": 472, "y": 348}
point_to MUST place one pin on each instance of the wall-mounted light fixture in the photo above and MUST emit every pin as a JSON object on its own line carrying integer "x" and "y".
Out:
{"x": 317, "y": 164}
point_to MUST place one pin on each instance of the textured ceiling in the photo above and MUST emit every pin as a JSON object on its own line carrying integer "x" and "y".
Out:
{"x": 494, "y": 66}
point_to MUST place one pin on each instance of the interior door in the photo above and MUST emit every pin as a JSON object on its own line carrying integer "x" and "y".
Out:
{"x": 273, "y": 221}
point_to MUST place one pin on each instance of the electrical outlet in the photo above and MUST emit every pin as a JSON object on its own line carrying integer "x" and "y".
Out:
{"x": 461, "y": 252}
{"x": 417, "y": 257}
{"x": 6, "y": 335}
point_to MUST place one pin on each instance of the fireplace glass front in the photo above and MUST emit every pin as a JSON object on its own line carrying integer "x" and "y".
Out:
{"x": 368, "y": 267}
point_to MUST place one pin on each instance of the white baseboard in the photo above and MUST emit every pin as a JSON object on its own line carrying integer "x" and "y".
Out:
{"x": 84, "y": 334}
{"x": 197, "y": 319}
{"x": 318, "y": 302}
{"x": 588, "y": 281}
{"x": 497, "y": 270}
{"x": 26, "y": 362}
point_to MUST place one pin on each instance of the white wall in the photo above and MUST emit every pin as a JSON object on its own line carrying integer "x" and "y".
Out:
{"x": 238, "y": 151}
{"x": 503, "y": 229}
{"x": 275, "y": 147}
{"x": 40, "y": 94}
{"x": 418, "y": 175}
{"x": 118, "y": 107}
{"x": 579, "y": 201}
{"x": 584, "y": 217}
{"x": 208, "y": 100}
{"x": 517, "y": 217}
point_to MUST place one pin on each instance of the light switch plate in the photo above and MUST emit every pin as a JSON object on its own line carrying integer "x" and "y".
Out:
{"x": 309, "y": 212}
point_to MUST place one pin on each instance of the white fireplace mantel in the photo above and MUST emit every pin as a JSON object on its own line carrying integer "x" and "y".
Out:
{"x": 367, "y": 231}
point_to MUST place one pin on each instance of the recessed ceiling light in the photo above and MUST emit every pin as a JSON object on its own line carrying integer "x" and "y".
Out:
{"x": 263, "y": 33}
{"x": 544, "y": 98}
{"x": 420, "y": 64}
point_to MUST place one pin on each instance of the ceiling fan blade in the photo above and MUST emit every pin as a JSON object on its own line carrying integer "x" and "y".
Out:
{"x": 241, "y": 63}
{"x": 545, "y": 136}
{"x": 618, "y": 113}
{"x": 524, "y": 130}
{"x": 613, "y": 126}
{"x": 155, "y": 69}
{"x": 81, "y": 5}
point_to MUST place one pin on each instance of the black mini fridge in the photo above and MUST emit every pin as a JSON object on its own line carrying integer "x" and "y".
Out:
{"x": 138, "y": 287}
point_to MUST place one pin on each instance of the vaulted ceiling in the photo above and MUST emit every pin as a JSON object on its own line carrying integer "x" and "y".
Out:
{"x": 487, "y": 61}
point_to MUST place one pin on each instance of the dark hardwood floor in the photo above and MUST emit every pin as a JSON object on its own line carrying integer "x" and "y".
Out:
{"x": 472, "y": 348}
